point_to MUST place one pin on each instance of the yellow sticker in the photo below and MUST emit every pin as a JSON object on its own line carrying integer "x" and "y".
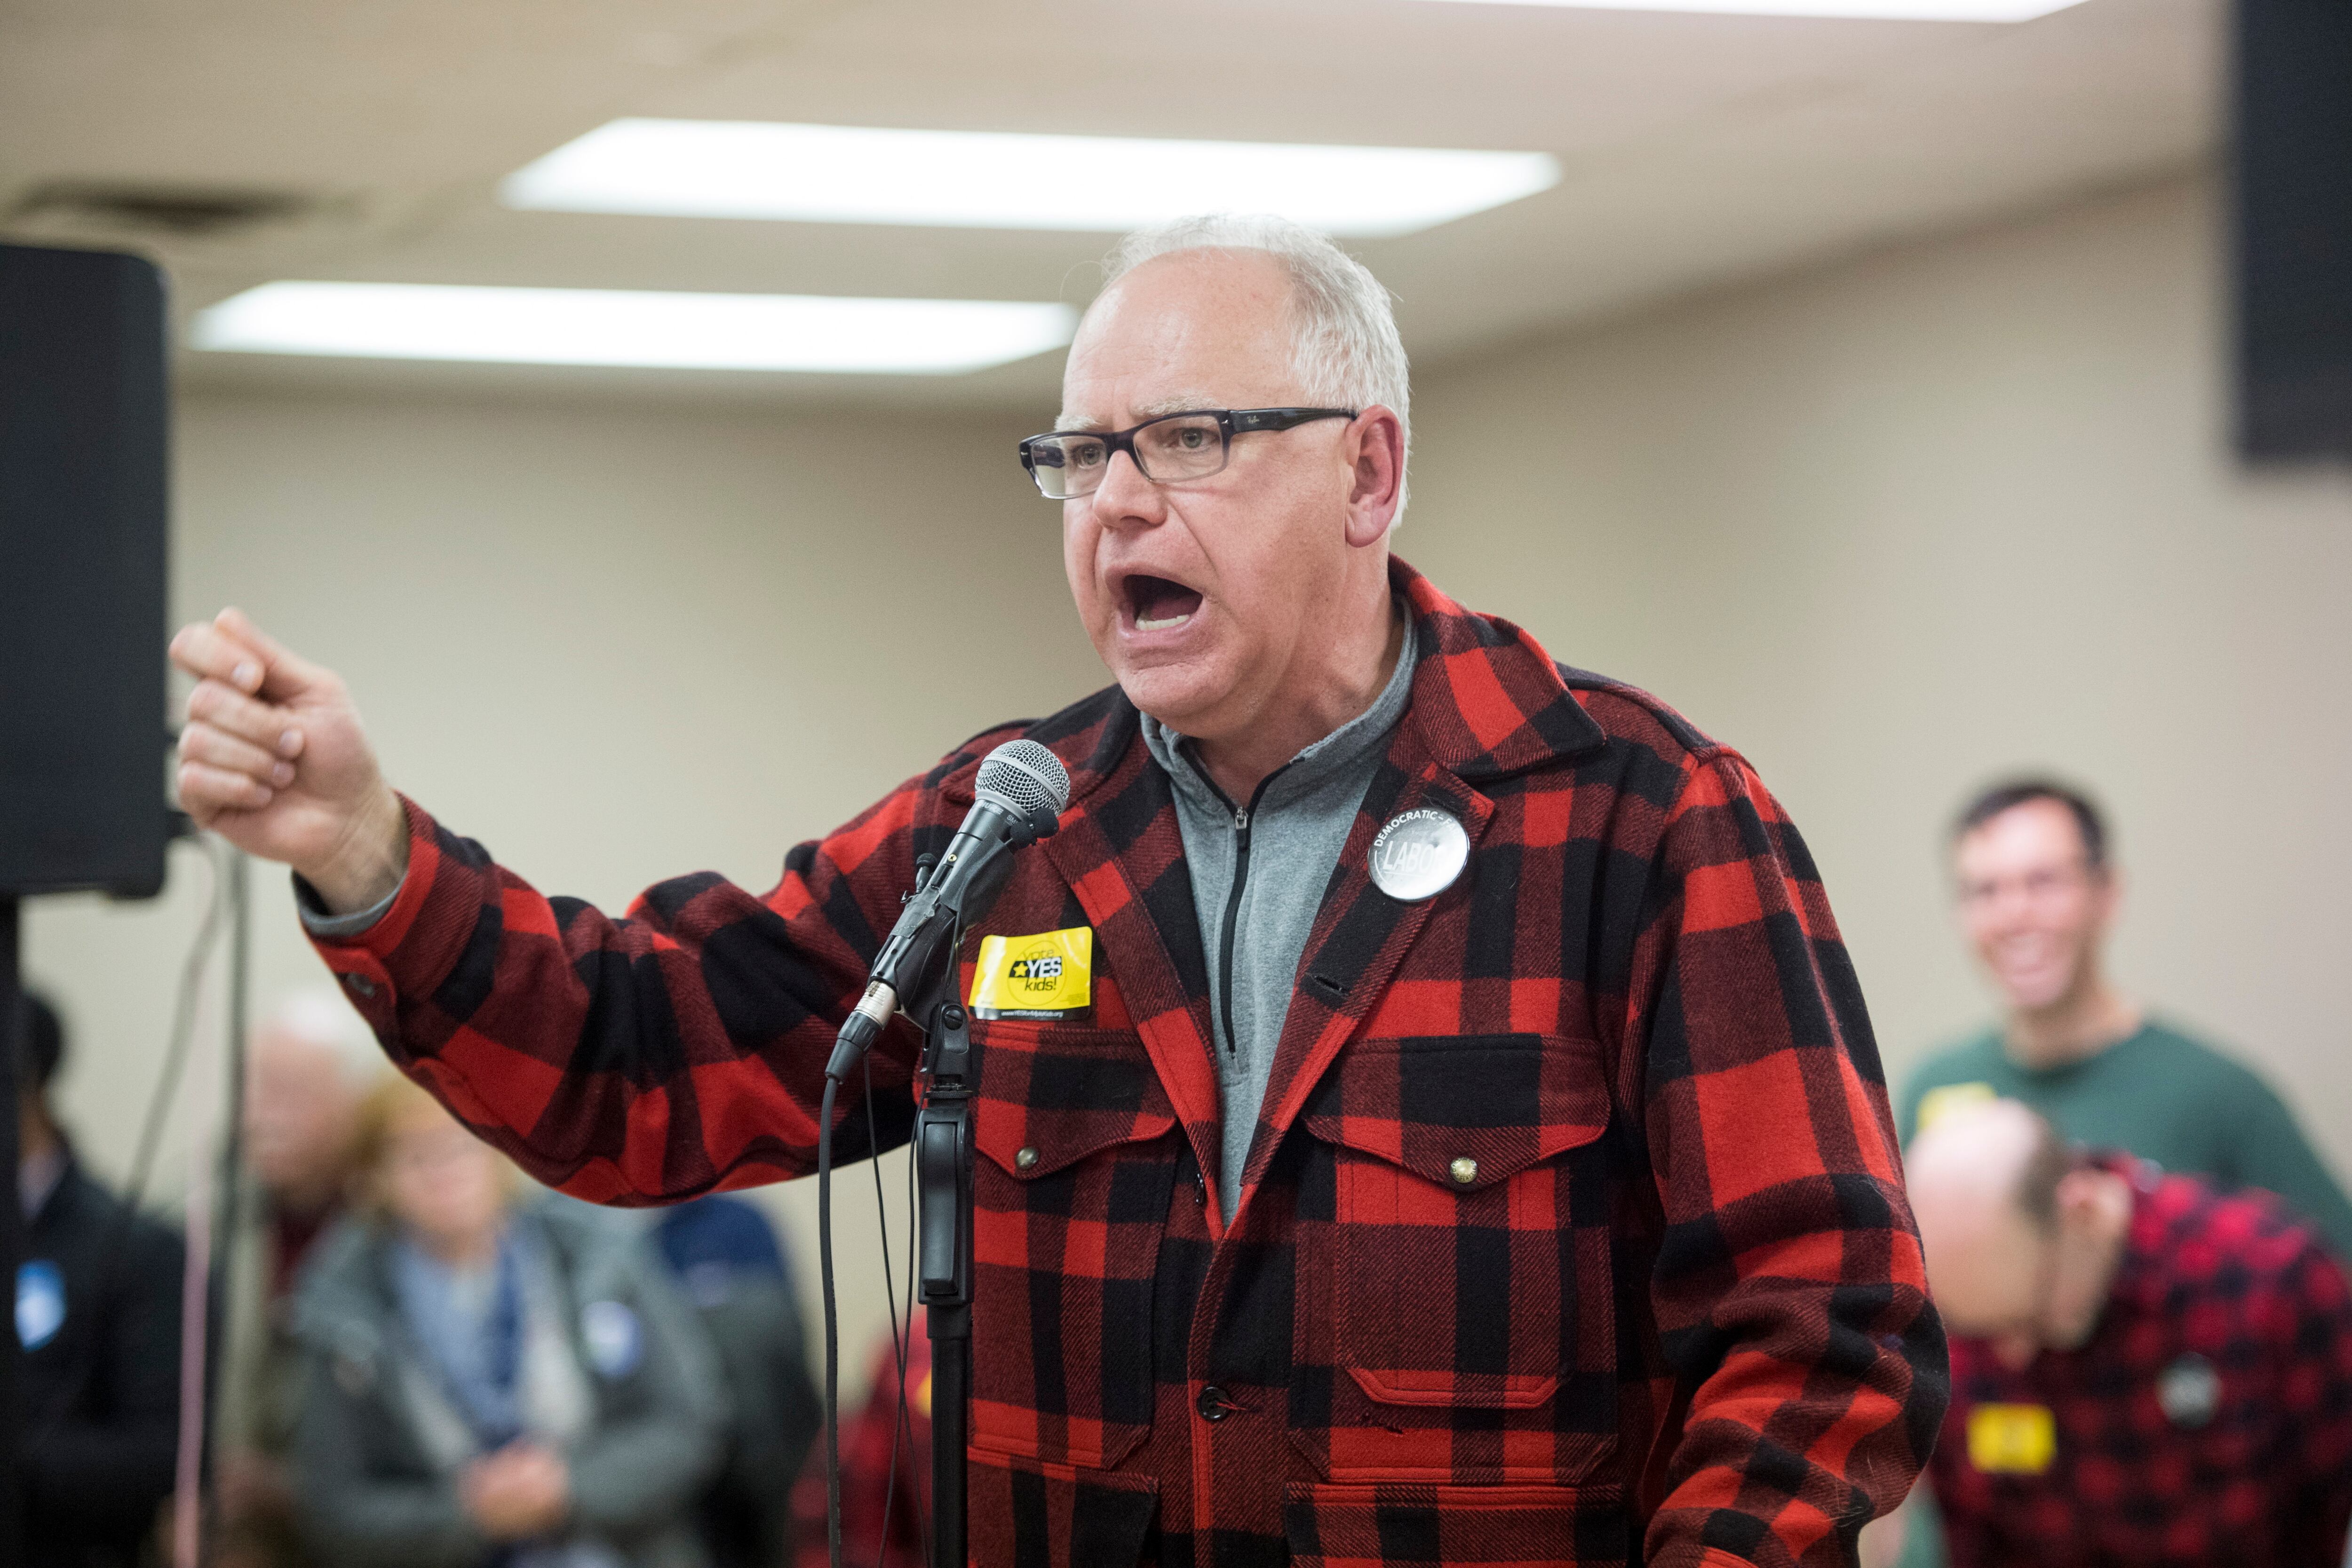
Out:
{"x": 1938, "y": 1104}
{"x": 1049, "y": 975}
{"x": 2011, "y": 1439}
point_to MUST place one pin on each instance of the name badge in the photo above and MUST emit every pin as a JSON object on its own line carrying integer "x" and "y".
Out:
{"x": 2012, "y": 1439}
{"x": 1049, "y": 976}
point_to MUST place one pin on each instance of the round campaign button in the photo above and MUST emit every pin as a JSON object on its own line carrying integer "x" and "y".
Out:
{"x": 2189, "y": 1391}
{"x": 1418, "y": 854}
{"x": 40, "y": 1302}
{"x": 616, "y": 1339}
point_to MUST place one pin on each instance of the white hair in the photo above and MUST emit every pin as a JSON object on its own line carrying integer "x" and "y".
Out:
{"x": 1345, "y": 348}
{"x": 318, "y": 1015}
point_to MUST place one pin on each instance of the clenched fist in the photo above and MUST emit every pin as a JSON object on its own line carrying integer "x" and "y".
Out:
{"x": 274, "y": 760}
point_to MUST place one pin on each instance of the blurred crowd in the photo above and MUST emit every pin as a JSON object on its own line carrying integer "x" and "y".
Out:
{"x": 425, "y": 1362}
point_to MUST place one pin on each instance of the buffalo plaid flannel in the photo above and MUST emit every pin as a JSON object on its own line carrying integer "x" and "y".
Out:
{"x": 1573, "y": 1219}
{"x": 2207, "y": 1422}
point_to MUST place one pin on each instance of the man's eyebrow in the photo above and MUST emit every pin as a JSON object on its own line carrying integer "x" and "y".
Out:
{"x": 1182, "y": 402}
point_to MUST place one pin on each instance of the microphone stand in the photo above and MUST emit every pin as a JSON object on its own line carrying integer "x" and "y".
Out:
{"x": 943, "y": 1174}
{"x": 917, "y": 971}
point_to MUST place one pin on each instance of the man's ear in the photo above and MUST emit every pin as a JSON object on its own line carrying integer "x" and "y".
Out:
{"x": 1375, "y": 452}
{"x": 2077, "y": 1195}
{"x": 2082, "y": 1194}
{"x": 2109, "y": 891}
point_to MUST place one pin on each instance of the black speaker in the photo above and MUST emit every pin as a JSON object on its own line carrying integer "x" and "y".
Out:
{"x": 82, "y": 561}
{"x": 2295, "y": 228}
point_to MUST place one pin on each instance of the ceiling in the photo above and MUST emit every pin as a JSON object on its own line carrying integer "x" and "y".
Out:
{"x": 1697, "y": 149}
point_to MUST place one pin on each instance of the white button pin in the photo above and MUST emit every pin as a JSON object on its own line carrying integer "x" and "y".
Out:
{"x": 1418, "y": 854}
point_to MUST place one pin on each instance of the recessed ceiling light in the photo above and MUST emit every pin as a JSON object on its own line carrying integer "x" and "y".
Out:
{"x": 1879, "y": 10}
{"x": 965, "y": 179}
{"x": 620, "y": 327}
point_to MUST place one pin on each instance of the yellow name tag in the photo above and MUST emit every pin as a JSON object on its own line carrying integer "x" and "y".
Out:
{"x": 2011, "y": 1439}
{"x": 1938, "y": 1104}
{"x": 1049, "y": 975}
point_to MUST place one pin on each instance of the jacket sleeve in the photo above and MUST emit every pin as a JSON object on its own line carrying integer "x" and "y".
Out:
{"x": 361, "y": 1519}
{"x": 1789, "y": 1291}
{"x": 651, "y": 1058}
{"x": 123, "y": 1462}
{"x": 643, "y": 1471}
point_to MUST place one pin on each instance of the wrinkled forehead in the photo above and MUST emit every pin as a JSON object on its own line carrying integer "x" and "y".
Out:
{"x": 1200, "y": 329}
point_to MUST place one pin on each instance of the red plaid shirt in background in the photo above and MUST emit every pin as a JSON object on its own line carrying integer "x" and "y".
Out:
{"x": 1572, "y": 1229}
{"x": 2207, "y": 1423}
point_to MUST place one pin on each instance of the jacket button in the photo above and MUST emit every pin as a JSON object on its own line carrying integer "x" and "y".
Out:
{"x": 1026, "y": 1159}
{"x": 1212, "y": 1403}
{"x": 1465, "y": 1170}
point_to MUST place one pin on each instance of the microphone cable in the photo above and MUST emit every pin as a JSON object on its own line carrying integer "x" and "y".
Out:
{"x": 902, "y": 1330}
{"x": 832, "y": 1324}
{"x": 901, "y": 1340}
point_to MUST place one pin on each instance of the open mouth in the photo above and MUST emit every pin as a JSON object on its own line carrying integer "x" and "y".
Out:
{"x": 1156, "y": 605}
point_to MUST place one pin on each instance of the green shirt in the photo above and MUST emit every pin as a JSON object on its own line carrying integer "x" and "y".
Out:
{"x": 2161, "y": 1095}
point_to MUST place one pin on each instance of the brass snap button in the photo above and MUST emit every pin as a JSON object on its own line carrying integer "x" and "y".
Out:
{"x": 1465, "y": 1170}
{"x": 1026, "y": 1159}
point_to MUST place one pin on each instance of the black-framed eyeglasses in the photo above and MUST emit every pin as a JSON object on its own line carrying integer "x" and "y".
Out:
{"x": 1189, "y": 446}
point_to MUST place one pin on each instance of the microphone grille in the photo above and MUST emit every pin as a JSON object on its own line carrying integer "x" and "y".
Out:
{"x": 1025, "y": 774}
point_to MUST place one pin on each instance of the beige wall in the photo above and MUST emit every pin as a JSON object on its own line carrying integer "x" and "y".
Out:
{"x": 1894, "y": 527}
{"x": 1890, "y": 528}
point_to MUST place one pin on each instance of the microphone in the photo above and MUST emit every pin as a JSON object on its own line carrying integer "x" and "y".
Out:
{"x": 1017, "y": 799}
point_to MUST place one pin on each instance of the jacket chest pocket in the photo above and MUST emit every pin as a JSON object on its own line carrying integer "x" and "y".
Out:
{"x": 1078, "y": 1155}
{"x": 1458, "y": 1323}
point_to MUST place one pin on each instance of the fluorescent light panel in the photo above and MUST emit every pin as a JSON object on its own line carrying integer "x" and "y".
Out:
{"x": 1879, "y": 10}
{"x": 620, "y": 327}
{"x": 961, "y": 179}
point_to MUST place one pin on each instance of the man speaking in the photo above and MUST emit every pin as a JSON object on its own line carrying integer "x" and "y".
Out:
{"x": 1433, "y": 1119}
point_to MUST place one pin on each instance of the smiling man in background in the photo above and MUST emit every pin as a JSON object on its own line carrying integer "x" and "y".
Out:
{"x": 1456, "y": 1135}
{"x": 2038, "y": 892}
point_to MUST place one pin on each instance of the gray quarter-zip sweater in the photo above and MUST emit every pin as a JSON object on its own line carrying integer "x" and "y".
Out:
{"x": 1260, "y": 869}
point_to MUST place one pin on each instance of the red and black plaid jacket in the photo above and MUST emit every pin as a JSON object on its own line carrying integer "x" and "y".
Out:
{"x": 1679, "y": 1294}
{"x": 2207, "y": 1423}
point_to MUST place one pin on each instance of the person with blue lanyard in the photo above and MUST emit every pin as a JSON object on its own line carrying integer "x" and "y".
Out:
{"x": 491, "y": 1384}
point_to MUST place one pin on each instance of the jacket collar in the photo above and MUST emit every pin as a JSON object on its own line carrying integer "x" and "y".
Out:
{"x": 1487, "y": 699}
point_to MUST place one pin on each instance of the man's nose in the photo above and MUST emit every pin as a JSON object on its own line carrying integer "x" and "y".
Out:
{"x": 1125, "y": 498}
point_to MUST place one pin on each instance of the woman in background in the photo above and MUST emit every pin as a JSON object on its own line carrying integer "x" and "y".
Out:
{"x": 490, "y": 1384}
